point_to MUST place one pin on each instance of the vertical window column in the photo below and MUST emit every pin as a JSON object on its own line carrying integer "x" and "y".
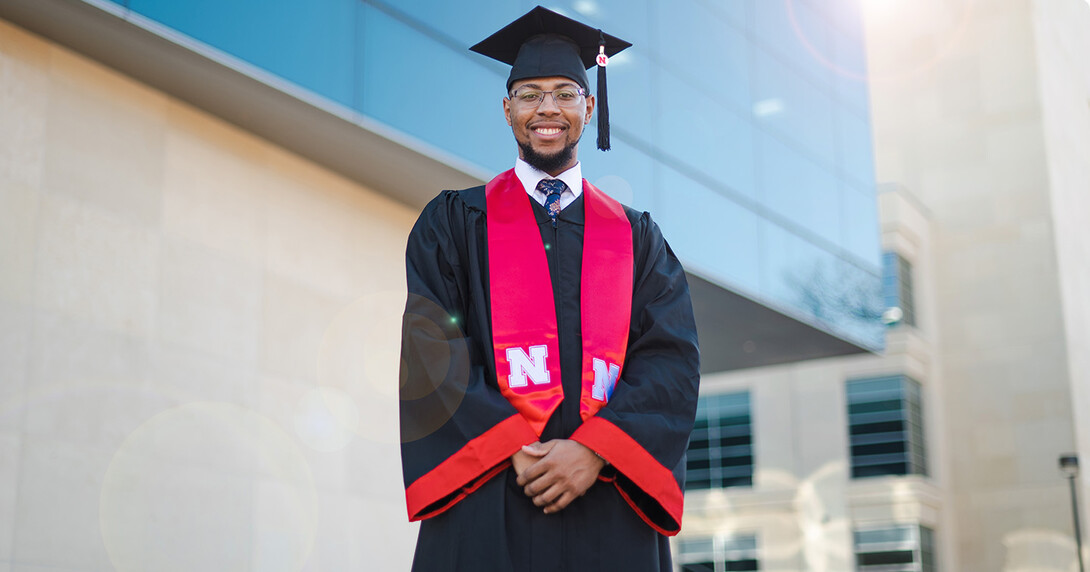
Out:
{"x": 897, "y": 289}
{"x": 885, "y": 421}
{"x": 721, "y": 446}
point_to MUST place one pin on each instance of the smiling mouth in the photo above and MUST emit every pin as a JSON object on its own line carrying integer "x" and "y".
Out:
{"x": 547, "y": 130}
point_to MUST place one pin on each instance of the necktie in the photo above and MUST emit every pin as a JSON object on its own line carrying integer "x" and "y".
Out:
{"x": 552, "y": 189}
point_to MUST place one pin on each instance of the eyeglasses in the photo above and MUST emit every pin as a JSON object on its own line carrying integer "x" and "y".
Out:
{"x": 563, "y": 97}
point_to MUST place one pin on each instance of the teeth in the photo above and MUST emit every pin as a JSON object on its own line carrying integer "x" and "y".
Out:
{"x": 548, "y": 130}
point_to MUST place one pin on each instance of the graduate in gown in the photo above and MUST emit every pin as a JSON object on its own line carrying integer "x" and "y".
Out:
{"x": 549, "y": 365}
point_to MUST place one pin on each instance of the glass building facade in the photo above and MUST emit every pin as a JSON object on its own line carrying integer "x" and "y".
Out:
{"x": 742, "y": 125}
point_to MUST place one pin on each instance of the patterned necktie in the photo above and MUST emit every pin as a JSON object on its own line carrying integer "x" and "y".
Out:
{"x": 552, "y": 189}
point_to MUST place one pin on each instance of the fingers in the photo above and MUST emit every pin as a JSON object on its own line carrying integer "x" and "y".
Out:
{"x": 531, "y": 474}
{"x": 554, "y": 491}
{"x": 567, "y": 462}
{"x": 562, "y": 502}
{"x": 539, "y": 449}
{"x": 534, "y": 449}
{"x": 538, "y": 480}
{"x": 548, "y": 497}
{"x": 554, "y": 499}
{"x": 521, "y": 460}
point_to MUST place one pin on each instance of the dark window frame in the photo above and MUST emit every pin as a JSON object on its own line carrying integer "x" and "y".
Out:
{"x": 898, "y": 290}
{"x": 737, "y": 552}
{"x": 905, "y": 548}
{"x": 886, "y": 434}
{"x": 720, "y": 452}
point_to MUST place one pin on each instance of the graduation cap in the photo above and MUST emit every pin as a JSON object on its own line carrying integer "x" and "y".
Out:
{"x": 543, "y": 44}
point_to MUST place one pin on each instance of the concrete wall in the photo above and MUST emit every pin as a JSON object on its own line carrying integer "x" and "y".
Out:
{"x": 1062, "y": 29}
{"x": 958, "y": 119}
{"x": 198, "y": 338}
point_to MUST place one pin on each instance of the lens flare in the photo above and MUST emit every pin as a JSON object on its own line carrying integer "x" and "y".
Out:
{"x": 357, "y": 368}
{"x": 208, "y": 486}
{"x": 902, "y": 26}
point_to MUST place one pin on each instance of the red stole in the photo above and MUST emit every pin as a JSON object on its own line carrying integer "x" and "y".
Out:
{"x": 524, "y": 331}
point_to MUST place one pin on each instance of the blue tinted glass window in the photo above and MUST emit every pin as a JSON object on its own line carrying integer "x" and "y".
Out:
{"x": 827, "y": 289}
{"x": 844, "y": 16}
{"x": 851, "y": 73}
{"x": 457, "y": 105}
{"x": 793, "y": 31}
{"x": 626, "y": 19}
{"x": 312, "y": 44}
{"x": 696, "y": 44}
{"x": 716, "y": 235}
{"x": 860, "y": 233}
{"x": 455, "y": 20}
{"x": 715, "y": 140}
{"x": 737, "y": 12}
{"x": 794, "y": 107}
{"x": 796, "y": 187}
{"x": 795, "y": 271}
{"x": 624, "y": 173}
{"x": 856, "y": 153}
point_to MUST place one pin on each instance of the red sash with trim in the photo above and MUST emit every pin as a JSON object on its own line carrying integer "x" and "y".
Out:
{"x": 524, "y": 330}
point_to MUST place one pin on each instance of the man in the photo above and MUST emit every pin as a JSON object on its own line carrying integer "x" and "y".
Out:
{"x": 549, "y": 356}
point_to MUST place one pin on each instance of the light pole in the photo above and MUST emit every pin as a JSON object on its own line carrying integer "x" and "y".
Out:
{"x": 1069, "y": 464}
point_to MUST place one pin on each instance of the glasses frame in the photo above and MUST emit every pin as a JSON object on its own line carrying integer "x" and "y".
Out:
{"x": 513, "y": 96}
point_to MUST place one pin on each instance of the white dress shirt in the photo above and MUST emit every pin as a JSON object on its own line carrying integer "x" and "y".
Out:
{"x": 531, "y": 176}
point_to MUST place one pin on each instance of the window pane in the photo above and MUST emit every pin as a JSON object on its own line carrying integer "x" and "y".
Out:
{"x": 796, "y": 186}
{"x": 896, "y": 548}
{"x": 716, "y": 554}
{"x": 885, "y": 422}
{"x": 310, "y": 44}
{"x": 716, "y": 143}
{"x": 722, "y": 454}
{"x": 402, "y": 103}
{"x": 750, "y": 564}
{"x": 696, "y": 545}
{"x": 884, "y": 535}
{"x": 888, "y": 557}
{"x": 712, "y": 54}
{"x": 860, "y": 235}
{"x": 794, "y": 106}
{"x": 714, "y": 232}
{"x": 897, "y": 286}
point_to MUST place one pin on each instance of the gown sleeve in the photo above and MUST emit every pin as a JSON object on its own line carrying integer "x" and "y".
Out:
{"x": 457, "y": 430}
{"x": 643, "y": 431}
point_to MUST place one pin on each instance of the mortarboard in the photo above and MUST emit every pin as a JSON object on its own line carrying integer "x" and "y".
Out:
{"x": 543, "y": 43}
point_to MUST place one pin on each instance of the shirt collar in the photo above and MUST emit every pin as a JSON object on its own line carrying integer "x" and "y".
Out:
{"x": 531, "y": 176}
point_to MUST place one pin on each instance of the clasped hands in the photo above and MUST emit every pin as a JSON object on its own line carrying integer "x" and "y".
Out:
{"x": 556, "y": 472}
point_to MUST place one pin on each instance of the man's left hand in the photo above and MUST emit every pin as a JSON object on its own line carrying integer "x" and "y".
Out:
{"x": 566, "y": 470}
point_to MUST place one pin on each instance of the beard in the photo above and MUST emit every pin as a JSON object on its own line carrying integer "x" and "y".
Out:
{"x": 548, "y": 163}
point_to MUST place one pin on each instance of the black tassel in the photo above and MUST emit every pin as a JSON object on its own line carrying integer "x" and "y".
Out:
{"x": 603, "y": 101}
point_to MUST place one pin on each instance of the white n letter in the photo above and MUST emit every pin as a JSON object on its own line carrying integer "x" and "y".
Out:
{"x": 523, "y": 365}
{"x": 605, "y": 379}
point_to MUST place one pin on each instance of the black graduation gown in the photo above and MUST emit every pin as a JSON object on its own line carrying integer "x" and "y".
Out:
{"x": 452, "y": 410}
